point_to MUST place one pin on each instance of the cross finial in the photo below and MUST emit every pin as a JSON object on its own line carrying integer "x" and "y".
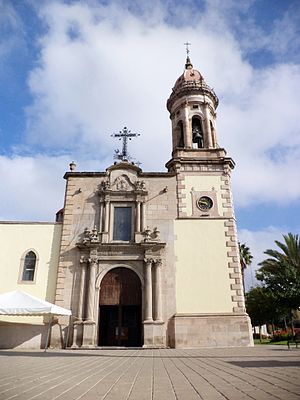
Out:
{"x": 124, "y": 135}
{"x": 187, "y": 44}
{"x": 188, "y": 64}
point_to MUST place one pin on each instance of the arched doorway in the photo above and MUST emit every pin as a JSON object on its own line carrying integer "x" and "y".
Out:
{"x": 120, "y": 309}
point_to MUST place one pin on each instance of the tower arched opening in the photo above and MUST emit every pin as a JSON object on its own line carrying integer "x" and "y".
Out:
{"x": 197, "y": 132}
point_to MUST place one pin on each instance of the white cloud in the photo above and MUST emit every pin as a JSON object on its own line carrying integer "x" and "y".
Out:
{"x": 33, "y": 187}
{"x": 101, "y": 67}
{"x": 263, "y": 135}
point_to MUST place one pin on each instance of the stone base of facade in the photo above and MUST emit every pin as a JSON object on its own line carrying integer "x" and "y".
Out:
{"x": 77, "y": 334}
{"x": 88, "y": 338}
{"x": 210, "y": 330}
{"x": 154, "y": 334}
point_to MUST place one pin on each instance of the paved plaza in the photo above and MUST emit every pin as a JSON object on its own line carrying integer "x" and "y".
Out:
{"x": 260, "y": 373}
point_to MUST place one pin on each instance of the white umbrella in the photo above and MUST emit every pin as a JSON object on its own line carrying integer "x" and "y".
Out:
{"x": 18, "y": 302}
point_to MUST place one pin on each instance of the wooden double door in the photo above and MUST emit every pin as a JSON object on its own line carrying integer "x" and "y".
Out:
{"x": 120, "y": 309}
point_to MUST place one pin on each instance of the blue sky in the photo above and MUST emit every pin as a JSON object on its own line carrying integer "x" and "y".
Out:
{"x": 72, "y": 73}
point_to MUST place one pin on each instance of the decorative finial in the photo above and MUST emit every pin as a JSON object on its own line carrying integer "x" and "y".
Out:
{"x": 124, "y": 135}
{"x": 188, "y": 64}
{"x": 187, "y": 44}
{"x": 72, "y": 166}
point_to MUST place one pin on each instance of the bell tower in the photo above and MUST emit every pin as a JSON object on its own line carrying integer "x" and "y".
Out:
{"x": 209, "y": 293}
{"x": 192, "y": 106}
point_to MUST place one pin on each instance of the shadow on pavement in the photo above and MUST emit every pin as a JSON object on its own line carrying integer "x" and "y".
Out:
{"x": 236, "y": 359}
{"x": 265, "y": 363}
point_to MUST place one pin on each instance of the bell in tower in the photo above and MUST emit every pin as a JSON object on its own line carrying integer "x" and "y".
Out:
{"x": 197, "y": 133}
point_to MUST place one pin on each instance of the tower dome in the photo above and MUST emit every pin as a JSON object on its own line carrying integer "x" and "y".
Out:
{"x": 192, "y": 107}
{"x": 189, "y": 83}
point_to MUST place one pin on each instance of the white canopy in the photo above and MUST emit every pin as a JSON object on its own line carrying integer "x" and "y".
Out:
{"x": 18, "y": 302}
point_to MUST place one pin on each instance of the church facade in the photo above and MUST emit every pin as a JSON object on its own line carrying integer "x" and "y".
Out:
{"x": 151, "y": 258}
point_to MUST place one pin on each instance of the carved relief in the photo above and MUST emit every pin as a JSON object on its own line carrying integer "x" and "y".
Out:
{"x": 151, "y": 236}
{"x": 123, "y": 183}
{"x": 91, "y": 236}
{"x": 104, "y": 185}
{"x": 140, "y": 185}
{"x": 226, "y": 170}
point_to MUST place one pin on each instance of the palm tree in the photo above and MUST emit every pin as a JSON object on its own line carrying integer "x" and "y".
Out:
{"x": 245, "y": 260}
{"x": 281, "y": 272}
{"x": 290, "y": 255}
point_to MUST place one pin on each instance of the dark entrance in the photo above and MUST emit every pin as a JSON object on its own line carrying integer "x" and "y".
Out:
{"x": 120, "y": 309}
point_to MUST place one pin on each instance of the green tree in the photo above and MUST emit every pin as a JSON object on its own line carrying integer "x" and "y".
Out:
{"x": 259, "y": 306}
{"x": 280, "y": 273}
{"x": 245, "y": 260}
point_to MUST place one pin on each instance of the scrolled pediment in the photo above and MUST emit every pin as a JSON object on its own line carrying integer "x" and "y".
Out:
{"x": 122, "y": 183}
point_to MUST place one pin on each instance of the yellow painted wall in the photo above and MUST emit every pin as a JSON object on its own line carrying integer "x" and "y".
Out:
{"x": 16, "y": 239}
{"x": 206, "y": 183}
{"x": 202, "y": 275}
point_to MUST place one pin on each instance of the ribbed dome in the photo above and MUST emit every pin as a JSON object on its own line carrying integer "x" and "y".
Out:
{"x": 191, "y": 82}
{"x": 190, "y": 75}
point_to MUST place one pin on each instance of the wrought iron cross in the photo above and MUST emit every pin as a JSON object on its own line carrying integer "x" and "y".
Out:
{"x": 187, "y": 44}
{"x": 124, "y": 135}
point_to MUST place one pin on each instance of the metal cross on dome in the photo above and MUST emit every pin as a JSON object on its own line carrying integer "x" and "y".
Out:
{"x": 124, "y": 135}
{"x": 187, "y": 44}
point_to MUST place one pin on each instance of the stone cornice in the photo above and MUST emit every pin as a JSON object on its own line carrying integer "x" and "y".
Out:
{"x": 200, "y": 161}
{"x": 117, "y": 246}
{"x": 84, "y": 175}
{"x": 191, "y": 88}
{"x": 151, "y": 174}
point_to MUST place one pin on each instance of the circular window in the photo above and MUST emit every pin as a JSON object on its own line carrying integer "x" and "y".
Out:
{"x": 204, "y": 203}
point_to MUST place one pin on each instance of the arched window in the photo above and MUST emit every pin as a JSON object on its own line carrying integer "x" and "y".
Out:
{"x": 29, "y": 267}
{"x": 180, "y": 134}
{"x": 197, "y": 133}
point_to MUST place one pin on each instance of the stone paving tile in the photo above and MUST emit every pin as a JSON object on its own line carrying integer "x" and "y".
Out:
{"x": 259, "y": 373}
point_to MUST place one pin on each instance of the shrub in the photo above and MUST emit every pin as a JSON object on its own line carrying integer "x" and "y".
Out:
{"x": 281, "y": 337}
{"x": 257, "y": 336}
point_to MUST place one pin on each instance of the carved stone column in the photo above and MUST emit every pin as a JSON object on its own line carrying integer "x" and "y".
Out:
{"x": 207, "y": 128}
{"x": 77, "y": 326}
{"x": 187, "y": 131}
{"x": 106, "y": 222}
{"x": 101, "y": 217}
{"x": 93, "y": 262}
{"x": 89, "y": 331}
{"x": 213, "y": 133}
{"x": 143, "y": 217}
{"x": 148, "y": 289}
{"x": 158, "y": 299}
{"x": 138, "y": 217}
{"x": 106, "y": 208}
